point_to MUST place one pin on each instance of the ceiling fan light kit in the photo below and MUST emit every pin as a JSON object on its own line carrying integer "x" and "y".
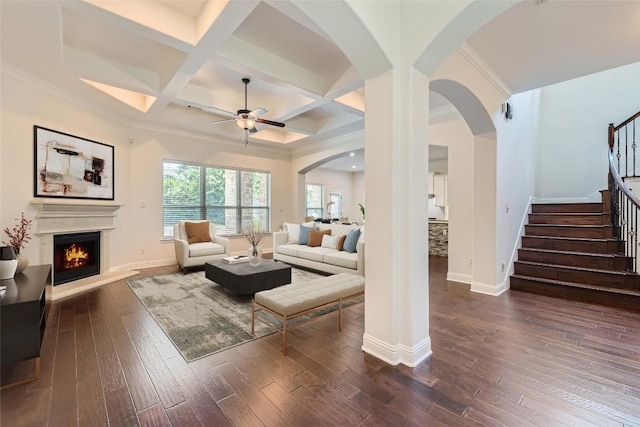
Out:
{"x": 247, "y": 119}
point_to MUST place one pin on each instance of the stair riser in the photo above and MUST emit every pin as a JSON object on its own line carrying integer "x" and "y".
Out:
{"x": 585, "y": 261}
{"x": 567, "y": 207}
{"x": 576, "y": 294}
{"x": 577, "y": 276}
{"x": 584, "y": 232}
{"x": 601, "y": 247}
{"x": 570, "y": 220}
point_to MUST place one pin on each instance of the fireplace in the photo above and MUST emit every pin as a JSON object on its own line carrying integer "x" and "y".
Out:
{"x": 75, "y": 256}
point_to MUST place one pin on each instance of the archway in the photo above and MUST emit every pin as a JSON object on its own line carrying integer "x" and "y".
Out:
{"x": 482, "y": 181}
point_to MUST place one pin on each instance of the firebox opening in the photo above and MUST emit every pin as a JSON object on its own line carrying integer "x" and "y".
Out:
{"x": 75, "y": 256}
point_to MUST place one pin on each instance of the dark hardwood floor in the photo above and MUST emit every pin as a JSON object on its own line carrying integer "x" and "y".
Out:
{"x": 518, "y": 359}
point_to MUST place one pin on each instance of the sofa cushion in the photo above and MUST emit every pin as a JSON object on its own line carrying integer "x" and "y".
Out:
{"x": 342, "y": 259}
{"x": 351, "y": 241}
{"x": 293, "y": 230}
{"x": 289, "y": 249}
{"x": 315, "y": 237}
{"x": 330, "y": 242}
{"x": 337, "y": 229}
{"x": 197, "y": 231}
{"x": 205, "y": 249}
{"x": 313, "y": 253}
{"x": 303, "y": 238}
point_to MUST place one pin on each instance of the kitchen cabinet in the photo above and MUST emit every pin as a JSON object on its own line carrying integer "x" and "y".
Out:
{"x": 440, "y": 189}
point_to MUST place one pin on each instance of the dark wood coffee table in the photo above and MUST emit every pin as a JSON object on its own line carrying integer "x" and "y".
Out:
{"x": 244, "y": 279}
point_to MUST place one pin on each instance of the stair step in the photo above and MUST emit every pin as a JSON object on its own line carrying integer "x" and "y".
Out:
{"x": 576, "y": 244}
{"x": 569, "y": 218}
{"x": 566, "y": 207}
{"x": 588, "y": 276}
{"x": 622, "y": 298}
{"x": 575, "y": 259}
{"x": 561, "y": 230}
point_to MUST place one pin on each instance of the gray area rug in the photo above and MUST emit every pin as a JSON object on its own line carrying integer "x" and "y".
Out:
{"x": 201, "y": 318}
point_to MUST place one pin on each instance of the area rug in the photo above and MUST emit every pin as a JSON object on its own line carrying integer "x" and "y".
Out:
{"x": 201, "y": 318}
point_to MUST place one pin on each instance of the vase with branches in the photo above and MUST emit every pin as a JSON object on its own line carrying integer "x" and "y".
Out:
{"x": 18, "y": 239}
{"x": 254, "y": 235}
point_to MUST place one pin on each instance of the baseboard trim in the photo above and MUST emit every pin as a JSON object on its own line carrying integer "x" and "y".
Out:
{"x": 485, "y": 288}
{"x": 399, "y": 353}
{"x": 459, "y": 277}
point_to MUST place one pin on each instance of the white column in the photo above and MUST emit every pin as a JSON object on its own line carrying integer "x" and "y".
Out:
{"x": 396, "y": 255}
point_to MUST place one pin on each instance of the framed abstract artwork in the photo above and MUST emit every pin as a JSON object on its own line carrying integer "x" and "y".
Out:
{"x": 68, "y": 166}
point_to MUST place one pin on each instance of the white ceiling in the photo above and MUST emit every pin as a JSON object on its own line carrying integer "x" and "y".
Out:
{"x": 179, "y": 64}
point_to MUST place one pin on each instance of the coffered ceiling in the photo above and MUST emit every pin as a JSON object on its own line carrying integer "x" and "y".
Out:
{"x": 179, "y": 64}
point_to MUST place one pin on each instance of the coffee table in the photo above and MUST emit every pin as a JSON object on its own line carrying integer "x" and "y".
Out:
{"x": 245, "y": 279}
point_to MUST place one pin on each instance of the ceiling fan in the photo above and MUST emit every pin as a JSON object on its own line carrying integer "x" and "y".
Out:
{"x": 247, "y": 119}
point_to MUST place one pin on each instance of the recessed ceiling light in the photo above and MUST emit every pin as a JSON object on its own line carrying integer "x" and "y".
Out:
{"x": 353, "y": 166}
{"x": 352, "y": 154}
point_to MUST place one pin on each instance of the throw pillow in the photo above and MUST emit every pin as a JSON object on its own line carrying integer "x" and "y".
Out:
{"x": 197, "y": 231}
{"x": 315, "y": 237}
{"x": 330, "y": 242}
{"x": 340, "y": 245}
{"x": 351, "y": 241}
{"x": 303, "y": 237}
{"x": 294, "y": 232}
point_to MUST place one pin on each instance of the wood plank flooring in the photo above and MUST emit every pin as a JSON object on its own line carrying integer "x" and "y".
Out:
{"x": 518, "y": 359}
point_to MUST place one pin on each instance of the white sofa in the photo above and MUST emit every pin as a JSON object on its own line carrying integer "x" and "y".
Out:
{"x": 196, "y": 254}
{"x": 286, "y": 249}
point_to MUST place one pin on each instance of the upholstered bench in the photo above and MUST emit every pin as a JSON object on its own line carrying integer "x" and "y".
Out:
{"x": 290, "y": 301}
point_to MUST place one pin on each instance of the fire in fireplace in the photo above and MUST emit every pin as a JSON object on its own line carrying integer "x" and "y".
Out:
{"x": 75, "y": 256}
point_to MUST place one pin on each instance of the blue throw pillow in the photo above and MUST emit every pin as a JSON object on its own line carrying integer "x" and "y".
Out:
{"x": 351, "y": 241}
{"x": 303, "y": 237}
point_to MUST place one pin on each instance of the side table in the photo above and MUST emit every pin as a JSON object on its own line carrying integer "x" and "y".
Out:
{"x": 23, "y": 316}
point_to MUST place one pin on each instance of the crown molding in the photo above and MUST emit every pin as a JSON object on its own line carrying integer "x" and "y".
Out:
{"x": 476, "y": 60}
{"x": 45, "y": 86}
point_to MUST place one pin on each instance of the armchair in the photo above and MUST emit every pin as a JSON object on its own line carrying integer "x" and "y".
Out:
{"x": 199, "y": 252}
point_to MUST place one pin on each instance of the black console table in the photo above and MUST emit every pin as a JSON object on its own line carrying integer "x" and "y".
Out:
{"x": 23, "y": 316}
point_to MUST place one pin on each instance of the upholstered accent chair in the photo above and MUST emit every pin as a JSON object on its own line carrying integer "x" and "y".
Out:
{"x": 196, "y": 242}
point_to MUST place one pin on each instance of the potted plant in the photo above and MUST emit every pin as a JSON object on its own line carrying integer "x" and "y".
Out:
{"x": 18, "y": 238}
{"x": 361, "y": 210}
{"x": 254, "y": 234}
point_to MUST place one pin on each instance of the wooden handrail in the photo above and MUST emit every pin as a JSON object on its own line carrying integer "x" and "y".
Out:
{"x": 629, "y": 120}
{"x": 613, "y": 129}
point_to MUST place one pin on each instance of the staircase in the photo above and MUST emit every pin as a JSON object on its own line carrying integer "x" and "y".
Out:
{"x": 568, "y": 251}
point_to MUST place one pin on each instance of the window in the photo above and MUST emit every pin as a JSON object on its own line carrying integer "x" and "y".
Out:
{"x": 315, "y": 200}
{"x": 230, "y": 198}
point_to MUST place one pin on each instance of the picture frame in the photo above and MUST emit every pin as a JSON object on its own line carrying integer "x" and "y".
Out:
{"x": 71, "y": 167}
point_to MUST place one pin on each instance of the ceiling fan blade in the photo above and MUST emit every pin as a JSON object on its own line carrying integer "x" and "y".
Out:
{"x": 215, "y": 122}
{"x": 258, "y": 112}
{"x": 269, "y": 122}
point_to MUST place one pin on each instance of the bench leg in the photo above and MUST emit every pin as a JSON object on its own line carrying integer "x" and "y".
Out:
{"x": 340, "y": 316}
{"x": 284, "y": 332}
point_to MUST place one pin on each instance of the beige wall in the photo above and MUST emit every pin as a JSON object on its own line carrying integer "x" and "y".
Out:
{"x": 138, "y": 168}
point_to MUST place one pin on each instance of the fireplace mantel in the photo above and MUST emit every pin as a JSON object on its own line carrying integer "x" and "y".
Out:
{"x": 62, "y": 216}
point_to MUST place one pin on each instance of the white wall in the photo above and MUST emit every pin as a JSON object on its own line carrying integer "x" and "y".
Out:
{"x": 572, "y": 148}
{"x": 358, "y": 197}
{"x": 517, "y": 144}
{"x": 138, "y": 169}
{"x": 335, "y": 181}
